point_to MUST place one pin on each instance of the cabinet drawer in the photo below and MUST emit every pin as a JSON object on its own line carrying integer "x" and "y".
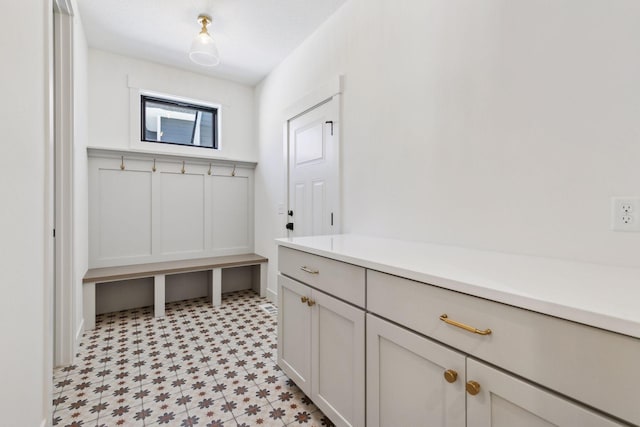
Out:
{"x": 342, "y": 280}
{"x": 594, "y": 366}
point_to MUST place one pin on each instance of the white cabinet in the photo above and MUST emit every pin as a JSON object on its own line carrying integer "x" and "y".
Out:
{"x": 414, "y": 381}
{"x": 337, "y": 352}
{"x": 506, "y": 401}
{"x": 440, "y": 358}
{"x": 294, "y": 332}
{"x": 321, "y": 348}
{"x": 592, "y": 366}
{"x": 406, "y": 384}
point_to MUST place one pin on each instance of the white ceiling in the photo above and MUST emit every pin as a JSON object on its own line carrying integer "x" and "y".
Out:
{"x": 253, "y": 36}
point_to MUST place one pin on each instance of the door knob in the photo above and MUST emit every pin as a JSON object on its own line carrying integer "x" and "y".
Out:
{"x": 304, "y": 299}
{"x": 311, "y": 302}
{"x": 289, "y": 226}
{"x": 450, "y": 375}
{"x": 473, "y": 388}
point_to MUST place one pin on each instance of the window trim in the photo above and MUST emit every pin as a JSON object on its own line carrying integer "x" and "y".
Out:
{"x": 144, "y": 97}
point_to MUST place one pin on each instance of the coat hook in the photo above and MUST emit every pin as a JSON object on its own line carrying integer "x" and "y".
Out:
{"x": 121, "y": 163}
{"x": 154, "y": 165}
{"x": 182, "y": 167}
{"x": 233, "y": 172}
{"x": 209, "y": 173}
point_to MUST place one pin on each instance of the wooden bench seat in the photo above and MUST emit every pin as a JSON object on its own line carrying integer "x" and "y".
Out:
{"x": 158, "y": 270}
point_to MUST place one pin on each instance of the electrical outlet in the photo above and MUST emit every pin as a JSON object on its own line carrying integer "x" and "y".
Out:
{"x": 625, "y": 213}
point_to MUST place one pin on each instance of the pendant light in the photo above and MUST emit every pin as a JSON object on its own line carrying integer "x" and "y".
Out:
{"x": 203, "y": 49}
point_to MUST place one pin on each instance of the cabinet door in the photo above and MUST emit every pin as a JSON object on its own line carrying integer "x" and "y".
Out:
{"x": 294, "y": 332}
{"x": 406, "y": 385}
{"x": 505, "y": 401}
{"x": 337, "y": 354}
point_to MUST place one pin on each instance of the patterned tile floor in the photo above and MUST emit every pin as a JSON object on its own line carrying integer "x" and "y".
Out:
{"x": 198, "y": 366}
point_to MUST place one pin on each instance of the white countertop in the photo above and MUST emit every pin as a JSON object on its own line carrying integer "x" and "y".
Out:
{"x": 603, "y": 296}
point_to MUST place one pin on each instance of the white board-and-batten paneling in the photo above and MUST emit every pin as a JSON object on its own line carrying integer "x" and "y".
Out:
{"x": 123, "y": 213}
{"x": 237, "y": 203}
{"x": 199, "y": 208}
{"x": 182, "y": 213}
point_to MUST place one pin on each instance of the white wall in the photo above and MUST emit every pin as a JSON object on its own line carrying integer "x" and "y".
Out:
{"x": 80, "y": 169}
{"x": 23, "y": 306}
{"x": 109, "y": 112}
{"x": 501, "y": 124}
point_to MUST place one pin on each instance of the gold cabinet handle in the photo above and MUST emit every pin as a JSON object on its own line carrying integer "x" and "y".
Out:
{"x": 473, "y": 388}
{"x": 446, "y": 319}
{"x": 309, "y": 270}
{"x": 304, "y": 299}
{"x": 311, "y": 302}
{"x": 450, "y": 375}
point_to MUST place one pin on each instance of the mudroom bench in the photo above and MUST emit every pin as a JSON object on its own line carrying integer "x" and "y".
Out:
{"x": 158, "y": 270}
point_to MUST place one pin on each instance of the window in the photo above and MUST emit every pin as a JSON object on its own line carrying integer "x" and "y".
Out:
{"x": 175, "y": 122}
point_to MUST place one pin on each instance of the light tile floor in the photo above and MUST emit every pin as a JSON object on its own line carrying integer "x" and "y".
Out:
{"x": 198, "y": 366}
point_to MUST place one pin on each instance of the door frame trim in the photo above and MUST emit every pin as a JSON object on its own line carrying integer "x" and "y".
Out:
{"x": 324, "y": 93}
{"x": 318, "y": 96}
{"x": 64, "y": 310}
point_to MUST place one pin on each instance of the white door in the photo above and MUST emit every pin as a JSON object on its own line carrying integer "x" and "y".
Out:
{"x": 412, "y": 381}
{"x": 505, "y": 401}
{"x": 337, "y": 360}
{"x": 314, "y": 193}
{"x": 294, "y": 332}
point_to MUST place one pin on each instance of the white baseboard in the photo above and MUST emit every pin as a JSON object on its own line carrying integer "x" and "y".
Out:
{"x": 272, "y": 296}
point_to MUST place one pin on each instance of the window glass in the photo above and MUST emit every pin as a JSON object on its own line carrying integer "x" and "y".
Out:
{"x": 172, "y": 122}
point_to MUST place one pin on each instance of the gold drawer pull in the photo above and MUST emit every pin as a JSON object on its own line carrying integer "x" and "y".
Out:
{"x": 311, "y": 302}
{"x": 472, "y": 387}
{"x": 304, "y": 299}
{"x": 450, "y": 375}
{"x": 309, "y": 270}
{"x": 446, "y": 319}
